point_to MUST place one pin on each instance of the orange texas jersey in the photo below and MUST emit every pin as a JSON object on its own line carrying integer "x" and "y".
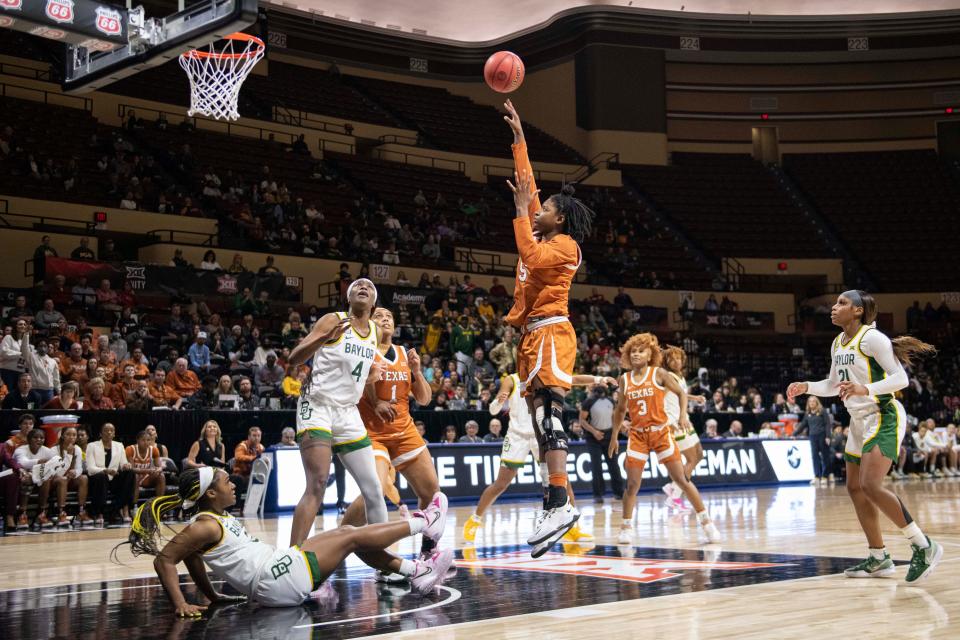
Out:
{"x": 394, "y": 384}
{"x": 545, "y": 270}
{"x": 645, "y": 399}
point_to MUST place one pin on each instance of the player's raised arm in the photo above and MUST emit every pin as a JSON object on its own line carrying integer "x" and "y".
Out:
{"x": 537, "y": 254}
{"x": 418, "y": 385}
{"x": 329, "y": 327}
{"x": 521, "y": 160}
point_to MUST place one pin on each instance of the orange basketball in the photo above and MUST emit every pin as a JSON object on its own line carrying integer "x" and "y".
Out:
{"x": 503, "y": 71}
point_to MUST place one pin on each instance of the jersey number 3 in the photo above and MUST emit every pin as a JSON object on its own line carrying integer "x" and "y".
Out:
{"x": 844, "y": 375}
{"x": 641, "y": 407}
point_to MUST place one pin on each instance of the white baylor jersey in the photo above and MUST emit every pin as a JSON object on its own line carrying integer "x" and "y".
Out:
{"x": 671, "y": 401}
{"x": 340, "y": 368}
{"x": 520, "y": 425}
{"x": 238, "y": 558}
{"x": 849, "y": 363}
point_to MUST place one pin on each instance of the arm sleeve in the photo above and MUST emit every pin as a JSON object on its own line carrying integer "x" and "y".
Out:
{"x": 521, "y": 161}
{"x": 878, "y": 346}
{"x": 831, "y": 385}
{"x": 560, "y": 251}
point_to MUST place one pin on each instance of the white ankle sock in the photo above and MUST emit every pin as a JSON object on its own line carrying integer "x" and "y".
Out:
{"x": 878, "y": 554}
{"x": 417, "y": 525}
{"x": 407, "y": 567}
{"x": 702, "y": 517}
{"x": 912, "y": 533}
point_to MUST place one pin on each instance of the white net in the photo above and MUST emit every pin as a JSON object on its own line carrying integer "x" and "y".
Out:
{"x": 216, "y": 75}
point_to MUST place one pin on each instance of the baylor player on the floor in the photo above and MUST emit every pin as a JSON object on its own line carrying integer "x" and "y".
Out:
{"x": 866, "y": 369}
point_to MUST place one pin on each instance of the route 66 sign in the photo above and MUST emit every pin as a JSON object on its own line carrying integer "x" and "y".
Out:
{"x": 60, "y": 10}
{"x": 11, "y": 5}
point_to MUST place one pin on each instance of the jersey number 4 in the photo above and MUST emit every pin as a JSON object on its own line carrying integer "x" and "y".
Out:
{"x": 357, "y": 371}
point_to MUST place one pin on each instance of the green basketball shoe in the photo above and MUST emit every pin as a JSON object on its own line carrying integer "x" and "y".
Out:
{"x": 871, "y": 568}
{"x": 924, "y": 561}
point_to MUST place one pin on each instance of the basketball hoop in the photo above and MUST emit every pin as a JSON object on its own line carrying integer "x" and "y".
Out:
{"x": 215, "y": 76}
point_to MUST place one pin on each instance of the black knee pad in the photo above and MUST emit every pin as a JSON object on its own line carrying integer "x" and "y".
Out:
{"x": 550, "y": 433}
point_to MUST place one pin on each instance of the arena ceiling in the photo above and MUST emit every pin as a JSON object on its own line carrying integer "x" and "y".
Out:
{"x": 489, "y": 20}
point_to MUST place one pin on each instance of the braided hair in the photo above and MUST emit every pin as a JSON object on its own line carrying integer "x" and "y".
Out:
{"x": 145, "y": 536}
{"x": 577, "y": 216}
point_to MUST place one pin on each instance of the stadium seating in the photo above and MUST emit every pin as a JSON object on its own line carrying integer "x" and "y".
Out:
{"x": 730, "y": 205}
{"x": 896, "y": 211}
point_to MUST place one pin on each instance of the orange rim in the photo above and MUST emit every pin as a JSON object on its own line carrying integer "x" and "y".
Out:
{"x": 244, "y": 37}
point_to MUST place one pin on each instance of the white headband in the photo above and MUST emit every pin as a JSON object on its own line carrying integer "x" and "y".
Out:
{"x": 369, "y": 282}
{"x": 206, "y": 477}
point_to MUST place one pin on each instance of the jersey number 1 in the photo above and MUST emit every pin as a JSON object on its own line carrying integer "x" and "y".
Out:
{"x": 844, "y": 375}
{"x": 357, "y": 371}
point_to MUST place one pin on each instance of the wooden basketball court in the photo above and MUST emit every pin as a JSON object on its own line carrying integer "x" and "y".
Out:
{"x": 778, "y": 575}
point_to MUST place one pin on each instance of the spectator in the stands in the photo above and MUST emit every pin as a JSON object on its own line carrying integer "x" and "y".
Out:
{"x": 163, "y": 394}
{"x": 390, "y": 255}
{"x": 83, "y": 294}
{"x": 139, "y": 399}
{"x": 109, "y": 253}
{"x": 480, "y": 372}
{"x": 248, "y": 400}
{"x": 717, "y": 403}
{"x": 449, "y": 434}
{"x": 209, "y": 262}
{"x": 67, "y": 400}
{"x": 45, "y": 370}
{"x": 622, "y": 299}
{"x": 292, "y": 384}
{"x": 139, "y": 362}
{"x": 184, "y": 382}
{"x": 780, "y": 405}
{"x": 179, "y": 261}
{"x": 472, "y": 428}
{"x": 237, "y": 265}
{"x": 458, "y": 402}
{"x": 25, "y": 424}
{"x": 96, "y": 400}
{"x": 129, "y": 202}
{"x": 710, "y": 430}
{"x": 497, "y": 290}
{"x": 125, "y": 386}
{"x": 494, "y": 436}
{"x": 11, "y": 356}
{"x": 767, "y": 432}
{"x": 58, "y": 291}
{"x": 268, "y": 268}
{"x": 48, "y": 316}
{"x": 40, "y": 255}
{"x": 504, "y": 355}
{"x": 244, "y": 302}
{"x": 108, "y": 301}
{"x": 735, "y": 431}
{"x": 20, "y": 310}
{"x": 243, "y": 456}
{"x": 420, "y": 200}
{"x": 83, "y": 252}
{"x": 293, "y": 331}
{"x": 270, "y": 376}
{"x": 431, "y": 250}
{"x": 199, "y": 355}
{"x": 288, "y": 438}
{"x": 23, "y": 397}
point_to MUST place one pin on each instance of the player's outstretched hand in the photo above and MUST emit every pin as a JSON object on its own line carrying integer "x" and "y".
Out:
{"x": 187, "y": 610}
{"x": 514, "y": 121}
{"x": 522, "y": 193}
{"x": 796, "y": 389}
